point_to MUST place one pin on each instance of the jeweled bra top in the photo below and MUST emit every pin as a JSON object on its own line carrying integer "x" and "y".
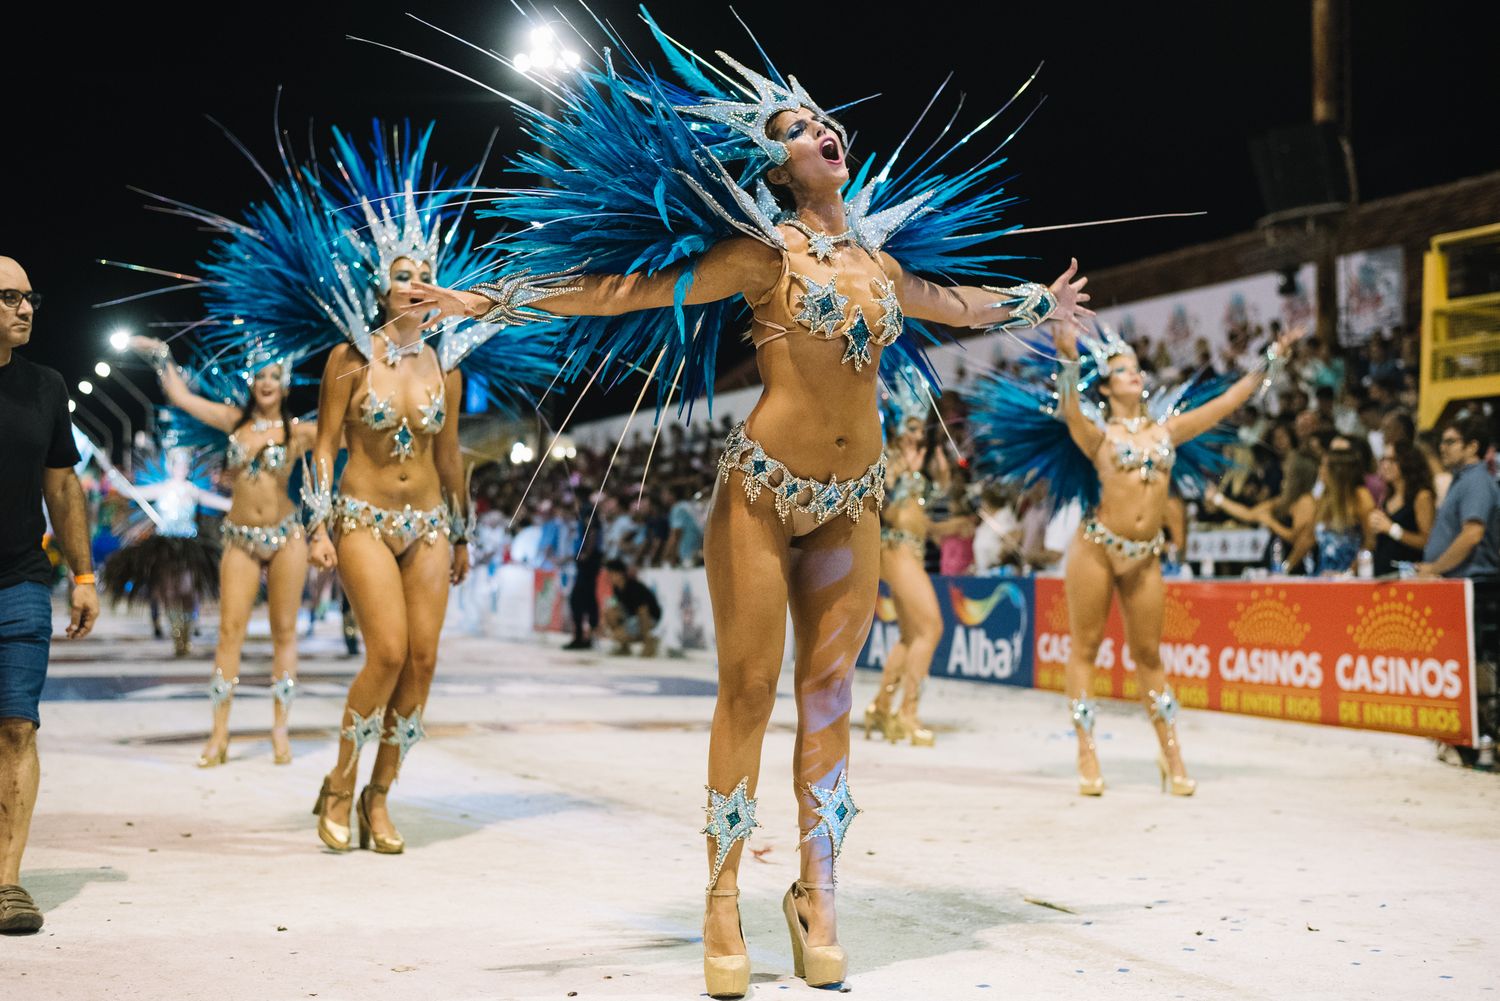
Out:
{"x": 823, "y": 311}
{"x": 269, "y": 458}
{"x": 910, "y": 485}
{"x": 1151, "y": 460}
{"x": 379, "y": 414}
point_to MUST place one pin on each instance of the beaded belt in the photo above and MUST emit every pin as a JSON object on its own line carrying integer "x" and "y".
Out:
{"x": 798, "y": 493}
{"x": 1131, "y": 549}
{"x": 894, "y": 538}
{"x": 261, "y": 541}
{"x": 405, "y": 526}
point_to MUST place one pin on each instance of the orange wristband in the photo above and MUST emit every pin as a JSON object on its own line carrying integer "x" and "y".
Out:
{"x": 83, "y": 578}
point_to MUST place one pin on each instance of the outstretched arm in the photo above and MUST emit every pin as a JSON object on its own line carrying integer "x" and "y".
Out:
{"x": 982, "y": 306}
{"x": 207, "y": 498}
{"x": 450, "y": 467}
{"x": 221, "y": 416}
{"x": 737, "y": 266}
{"x": 1187, "y": 426}
{"x": 1085, "y": 433}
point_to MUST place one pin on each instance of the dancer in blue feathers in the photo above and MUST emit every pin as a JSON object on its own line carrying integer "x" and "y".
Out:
{"x": 1117, "y": 457}
{"x": 399, "y": 524}
{"x": 329, "y": 261}
{"x": 669, "y": 211}
{"x": 262, "y": 533}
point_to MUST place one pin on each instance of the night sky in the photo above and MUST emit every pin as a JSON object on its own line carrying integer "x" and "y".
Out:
{"x": 1149, "y": 108}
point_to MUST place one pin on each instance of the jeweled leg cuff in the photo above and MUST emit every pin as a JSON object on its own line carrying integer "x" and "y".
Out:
{"x": 405, "y": 732}
{"x": 361, "y": 730}
{"x": 730, "y": 818}
{"x": 1164, "y": 705}
{"x": 835, "y": 811}
{"x": 221, "y": 689}
{"x": 284, "y": 690}
{"x": 1084, "y": 713}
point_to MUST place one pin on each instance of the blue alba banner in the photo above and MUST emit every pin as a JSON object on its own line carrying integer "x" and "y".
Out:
{"x": 987, "y": 630}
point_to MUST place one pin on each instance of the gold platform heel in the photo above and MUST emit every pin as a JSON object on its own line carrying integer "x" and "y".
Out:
{"x": 393, "y": 845}
{"x": 730, "y": 819}
{"x": 360, "y": 731}
{"x": 819, "y": 965}
{"x": 876, "y": 718}
{"x": 1083, "y": 713}
{"x": 220, "y": 691}
{"x": 335, "y": 836}
{"x": 1163, "y": 711}
{"x": 919, "y": 735}
{"x": 725, "y": 976}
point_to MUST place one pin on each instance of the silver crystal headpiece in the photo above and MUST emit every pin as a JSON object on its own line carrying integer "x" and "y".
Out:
{"x": 399, "y": 233}
{"x": 751, "y": 119}
{"x": 1103, "y": 344}
{"x": 263, "y": 354}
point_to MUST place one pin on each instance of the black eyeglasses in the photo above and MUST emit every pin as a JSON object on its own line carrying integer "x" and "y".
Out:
{"x": 12, "y": 297}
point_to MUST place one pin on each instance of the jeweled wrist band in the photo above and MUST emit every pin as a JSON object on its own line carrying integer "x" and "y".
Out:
{"x": 511, "y": 294}
{"x": 317, "y": 494}
{"x": 1029, "y": 305}
{"x": 1273, "y": 362}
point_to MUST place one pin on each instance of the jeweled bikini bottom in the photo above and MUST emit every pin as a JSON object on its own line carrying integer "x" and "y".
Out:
{"x": 261, "y": 541}
{"x": 1131, "y": 549}
{"x": 405, "y": 526}
{"x": 798, "y": 493}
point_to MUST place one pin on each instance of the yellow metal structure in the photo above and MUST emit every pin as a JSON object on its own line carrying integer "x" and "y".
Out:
{"x": 1460, "y": 335}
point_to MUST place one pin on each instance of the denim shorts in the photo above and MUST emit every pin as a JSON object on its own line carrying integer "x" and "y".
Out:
{"x": 25, "y": 639}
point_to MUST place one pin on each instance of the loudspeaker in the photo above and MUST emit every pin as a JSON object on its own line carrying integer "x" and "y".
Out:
{"x": 1299, "y": 167}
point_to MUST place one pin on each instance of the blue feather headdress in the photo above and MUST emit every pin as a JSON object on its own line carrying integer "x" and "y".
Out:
{"x": 643, "y": 172}
{"x": 305, "y": 268}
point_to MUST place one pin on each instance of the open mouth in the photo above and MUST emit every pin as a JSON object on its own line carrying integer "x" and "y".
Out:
{"x": 830, "y": 149}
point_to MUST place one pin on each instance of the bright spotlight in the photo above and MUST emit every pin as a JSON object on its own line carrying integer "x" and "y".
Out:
{"x": 522, "y": 62}
{"x": 119, "y": 340}
{"x": 85, "y": 387}
{"x": 571, "y": 59}
{"x": 101, "y": 369}
{"x": 72, "y": 405}
{"x": 521, "y": 453}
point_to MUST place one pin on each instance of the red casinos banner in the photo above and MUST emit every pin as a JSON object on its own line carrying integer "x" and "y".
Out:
{"x": 1387, "y": 655}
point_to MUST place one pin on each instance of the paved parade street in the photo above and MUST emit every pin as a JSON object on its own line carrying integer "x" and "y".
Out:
{"x": 553, "y": 850}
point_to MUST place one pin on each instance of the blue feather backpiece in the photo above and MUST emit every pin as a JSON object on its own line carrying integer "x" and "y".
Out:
{"x": 632, "y": 184}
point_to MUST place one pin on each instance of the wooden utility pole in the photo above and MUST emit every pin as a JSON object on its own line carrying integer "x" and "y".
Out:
{"x": 1328, "y": 33}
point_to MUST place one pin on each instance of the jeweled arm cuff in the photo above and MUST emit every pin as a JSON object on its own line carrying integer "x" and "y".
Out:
{"x": 1029, "y": 305}
{"x": 511, "y": 294}
{"x": 1069, "y": 372}
{"x": 317, "y": 494}
{"x": 160, "y": 357}
{"x": 1272, "y": 363}
{"x": 462, "y": 520}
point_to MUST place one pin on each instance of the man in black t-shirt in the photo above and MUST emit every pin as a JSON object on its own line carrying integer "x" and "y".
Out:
{"x": 36, "y": 463}
{"x": 635, "y": 611}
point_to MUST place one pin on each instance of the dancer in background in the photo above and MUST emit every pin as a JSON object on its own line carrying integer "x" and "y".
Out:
{"x": 261, "y": 535}
{"x": 639, "y": 188}
{"x": 166, "y": 561}
{"x": 332, "y": 256}
{"x": 1119, "y": 458}
{"x": 903, "y": 567}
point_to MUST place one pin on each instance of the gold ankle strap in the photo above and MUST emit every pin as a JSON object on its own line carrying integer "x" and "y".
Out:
{"x": 723, "y": 893}
{"x": 378, "y": 789}
{"x": 804, "y": 886}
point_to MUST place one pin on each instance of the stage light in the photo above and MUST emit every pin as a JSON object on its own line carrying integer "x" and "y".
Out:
{"x": 521, "y": 453}
{"x": 120, "y": 339}
{"x": 101, "y": 369}
{"x": 72, "y": 405}
{"x": 85, "y": 387}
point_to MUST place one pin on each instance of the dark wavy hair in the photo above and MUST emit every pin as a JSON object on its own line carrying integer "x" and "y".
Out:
{"x": 247, "y": 412}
